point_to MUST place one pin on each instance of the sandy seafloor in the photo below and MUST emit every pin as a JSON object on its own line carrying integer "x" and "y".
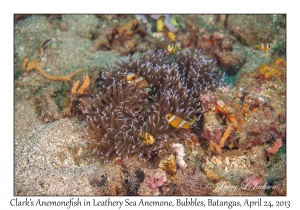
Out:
{"x": 43, "y": 164}
{"x": 48, "y": 156}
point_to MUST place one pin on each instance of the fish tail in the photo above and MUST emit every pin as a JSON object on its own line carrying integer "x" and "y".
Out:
{"x": 194, "y": 120}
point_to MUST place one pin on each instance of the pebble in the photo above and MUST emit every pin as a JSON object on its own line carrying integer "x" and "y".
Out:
{"x": 261, "y": 99}
{"x": 217, "y": 160}
{"x": 226, "y": 161}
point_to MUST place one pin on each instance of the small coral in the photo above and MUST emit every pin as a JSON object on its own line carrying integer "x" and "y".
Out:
{"x": 84, "y": 86}
{"x": 211, "y": 175}
{"x": 179, "y": 149}
{"x": 276, "y": 146}
{"x": 217, "y": 146}
{"x": 28, "y": 66}
{"x": 230, "y": 113}
{"x": 214, "y": 132}
{"x": 168, "y": 164}
{"x": 276, "y": 70}
{"x": 153, "y": 180}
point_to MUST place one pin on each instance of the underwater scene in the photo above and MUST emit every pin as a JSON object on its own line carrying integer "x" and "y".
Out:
{"x": 148, "y": 105}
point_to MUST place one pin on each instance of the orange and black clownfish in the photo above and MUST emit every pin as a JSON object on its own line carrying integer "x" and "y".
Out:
{"x": 264, "y": 47}
{"x": 140, "y": 82}
{"x": 146, "y": 138}
{"x": 177, "y": 122}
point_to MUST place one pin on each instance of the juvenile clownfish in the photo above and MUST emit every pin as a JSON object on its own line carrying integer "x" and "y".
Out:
{"x": 146, "y": 138}
{"x": 140, "y": 82}
{"x": 264, "y": 47}
{"x": 172, "y": 48}
{"x": 171, "y": 35}
{"x": 177, "y": 122}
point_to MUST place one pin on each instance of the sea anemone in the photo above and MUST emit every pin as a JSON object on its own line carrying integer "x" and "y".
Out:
{"x": 119, "y": 111}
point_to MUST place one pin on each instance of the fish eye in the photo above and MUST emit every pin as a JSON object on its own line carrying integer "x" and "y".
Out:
{"x": 131, "y": 76}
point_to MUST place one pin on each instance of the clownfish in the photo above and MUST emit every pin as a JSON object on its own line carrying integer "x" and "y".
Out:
{"x": 146, "y": 138}
{"x": 172, "y": 48}
{"x": 177, "y": 122}
{"x": 264, "y": 47}
{"x": 171, "y": 35}
{"x": 140, "y": 82}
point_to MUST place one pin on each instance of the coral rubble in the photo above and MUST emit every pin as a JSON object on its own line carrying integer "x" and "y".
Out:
{"x": 153, "y": 180}
{"x": 252, "y": 110}
{"x": 168, "y": 164}
{"x": 190, "y": 181}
